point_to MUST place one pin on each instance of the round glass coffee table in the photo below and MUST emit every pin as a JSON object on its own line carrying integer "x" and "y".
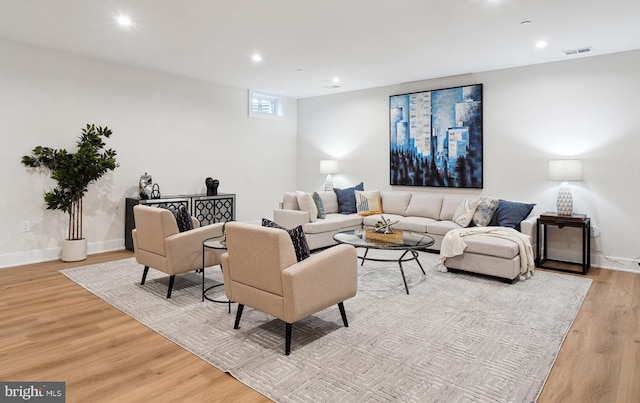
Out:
{"x": 411, "y": 243}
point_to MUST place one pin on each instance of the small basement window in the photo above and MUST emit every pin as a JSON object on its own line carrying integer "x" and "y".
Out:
{"x": 263, "y": 105}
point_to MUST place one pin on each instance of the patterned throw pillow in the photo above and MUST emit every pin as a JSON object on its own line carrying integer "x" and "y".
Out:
{"x": 464, "y": 212}
{"x": 368, "y": 203}
{"x": 319, "y": 205}
{"x": 487, "y": 207}
{"x": 347, "y": 198}
{"x": 298, "y": 238}
{"x": 183, "y": 218}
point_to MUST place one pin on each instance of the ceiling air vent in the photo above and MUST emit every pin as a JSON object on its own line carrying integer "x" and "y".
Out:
{"x": 578, "y": 51}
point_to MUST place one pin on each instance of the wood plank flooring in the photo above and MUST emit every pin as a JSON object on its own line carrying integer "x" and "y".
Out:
{"x": 53, "y": 330}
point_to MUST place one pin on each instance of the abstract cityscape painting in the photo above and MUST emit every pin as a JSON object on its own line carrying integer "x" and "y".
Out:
{"x": 436, "y": 138}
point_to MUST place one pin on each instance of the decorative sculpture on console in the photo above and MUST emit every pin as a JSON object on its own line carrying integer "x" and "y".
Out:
{"x": 212, "y": 186}
{"x": 155, "y": 192}
{"x": 145, "y": 186}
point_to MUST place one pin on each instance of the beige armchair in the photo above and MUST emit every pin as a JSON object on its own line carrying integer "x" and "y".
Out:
{"x": 158, "y": 243}
{"x": 260, "y": 271}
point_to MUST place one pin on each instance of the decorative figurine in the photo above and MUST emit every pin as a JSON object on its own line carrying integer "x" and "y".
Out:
{"x": 384, "y": 226}
{"x": 212, "y": 186}
{"x": 155, "y": 193}
{"x": 145, "y": 186}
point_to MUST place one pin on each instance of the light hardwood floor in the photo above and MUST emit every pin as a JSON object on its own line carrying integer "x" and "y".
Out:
{"x": 53, "y": 330}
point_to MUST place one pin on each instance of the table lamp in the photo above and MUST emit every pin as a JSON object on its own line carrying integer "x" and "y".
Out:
{"x": 328, "y": 167}
{"x": 564, "y": 171}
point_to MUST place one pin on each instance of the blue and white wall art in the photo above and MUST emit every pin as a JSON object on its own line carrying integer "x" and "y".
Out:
{"x": 436, "y": 138}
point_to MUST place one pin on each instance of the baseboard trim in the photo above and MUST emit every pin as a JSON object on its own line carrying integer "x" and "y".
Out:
{"x": 45, "y": 255}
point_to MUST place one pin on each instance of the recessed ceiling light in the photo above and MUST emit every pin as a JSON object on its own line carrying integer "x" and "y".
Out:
{"x": 256, "y": 57}
{"x": 335, "y": 80}
{"x": 541, "y": 44}
{"x": 124, "y": 20}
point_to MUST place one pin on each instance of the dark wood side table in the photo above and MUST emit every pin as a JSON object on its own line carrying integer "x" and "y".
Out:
{"x": 561, "y": 221}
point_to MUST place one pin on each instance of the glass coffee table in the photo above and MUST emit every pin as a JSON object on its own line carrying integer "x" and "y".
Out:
{"x": 411, "y": 243}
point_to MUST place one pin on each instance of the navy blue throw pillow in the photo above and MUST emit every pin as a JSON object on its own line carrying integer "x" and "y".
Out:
{"x": 298, "y": 238}
{"x": 347, "y": 198}
{"x": 509, "y": 214}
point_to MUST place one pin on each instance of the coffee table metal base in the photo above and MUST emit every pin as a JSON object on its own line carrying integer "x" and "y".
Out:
{"x": 414, "y": 256}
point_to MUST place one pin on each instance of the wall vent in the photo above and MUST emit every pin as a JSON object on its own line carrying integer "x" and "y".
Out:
{"x": 578, "y": 51}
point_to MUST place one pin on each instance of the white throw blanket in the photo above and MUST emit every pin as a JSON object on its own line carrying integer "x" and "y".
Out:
{"x": 453, "y": 245}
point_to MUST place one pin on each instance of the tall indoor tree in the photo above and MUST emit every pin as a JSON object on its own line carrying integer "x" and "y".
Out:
{"x": 73, "y": 173}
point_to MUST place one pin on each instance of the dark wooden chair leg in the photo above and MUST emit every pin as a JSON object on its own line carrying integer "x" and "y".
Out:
{"x": 144, "y": 274}
{"x": 287, "y": 343}
{"x": 171, "y": 280}
{"x": 238, "y": 316}
{"x": 343, "y": 314}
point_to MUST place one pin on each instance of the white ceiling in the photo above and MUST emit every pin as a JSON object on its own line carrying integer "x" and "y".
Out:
{"x": 306, "y": 43}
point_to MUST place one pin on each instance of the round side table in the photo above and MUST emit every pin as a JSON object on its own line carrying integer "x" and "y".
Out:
{"x": 212, "y": 243}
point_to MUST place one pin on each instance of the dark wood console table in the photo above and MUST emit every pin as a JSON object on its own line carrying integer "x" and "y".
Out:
{"x": 560, "y": 221}
{"x": 206, "y": 209}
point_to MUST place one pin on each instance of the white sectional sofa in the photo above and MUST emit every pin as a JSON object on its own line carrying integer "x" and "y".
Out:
{"x": 415, "y": 211}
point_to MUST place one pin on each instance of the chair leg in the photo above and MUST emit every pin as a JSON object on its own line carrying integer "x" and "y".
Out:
{"x": 171, "y": 279}
{"x": 343, "y": 314}
{"x": 238, "y": 316}
{"x": 144, "y": 274}
{"x": 287, "y": 343}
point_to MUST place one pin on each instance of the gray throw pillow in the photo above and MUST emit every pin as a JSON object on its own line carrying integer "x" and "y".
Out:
{"x": 319, "y": 205}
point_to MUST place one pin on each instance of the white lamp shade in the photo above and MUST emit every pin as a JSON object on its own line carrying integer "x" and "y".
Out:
{"x": 328, "y": 167}
{"x": 565, "y": 170}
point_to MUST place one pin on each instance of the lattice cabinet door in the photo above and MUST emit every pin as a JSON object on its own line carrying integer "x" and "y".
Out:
{"x": 213, "y": 209}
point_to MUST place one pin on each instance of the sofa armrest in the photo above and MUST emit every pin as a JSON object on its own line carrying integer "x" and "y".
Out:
{"x": 529, "y": 227}
{"x": 290, "y": 218}
{"x": 322, "y": 280}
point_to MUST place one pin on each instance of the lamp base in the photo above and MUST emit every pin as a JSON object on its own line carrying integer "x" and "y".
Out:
{"x": 564, "y": 202}
{"x": 328, "y": 184}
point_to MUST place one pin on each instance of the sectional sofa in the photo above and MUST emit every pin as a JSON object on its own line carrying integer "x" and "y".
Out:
{"x": 429, "y": 213}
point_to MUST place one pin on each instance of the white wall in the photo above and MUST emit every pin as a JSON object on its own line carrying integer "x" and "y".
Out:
{"x": 177, "y": 129}
{"x": 584, "y": 108}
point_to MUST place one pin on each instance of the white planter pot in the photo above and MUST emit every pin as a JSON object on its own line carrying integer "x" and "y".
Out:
{"x": 74, "y": 250}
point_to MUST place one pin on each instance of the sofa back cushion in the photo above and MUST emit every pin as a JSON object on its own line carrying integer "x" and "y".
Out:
{"x": 290, "y": 201}
{"x": 449, "y": 206}
{"x": 425, "y": 205}
{"x": 329, "y": 201}
{"x": 395, "y": 202}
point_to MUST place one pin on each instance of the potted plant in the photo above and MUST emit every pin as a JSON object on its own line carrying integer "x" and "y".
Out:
{"x": 73, "y": 173}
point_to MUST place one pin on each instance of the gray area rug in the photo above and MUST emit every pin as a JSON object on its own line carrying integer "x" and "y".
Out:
{"x": 456, "y": 337}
